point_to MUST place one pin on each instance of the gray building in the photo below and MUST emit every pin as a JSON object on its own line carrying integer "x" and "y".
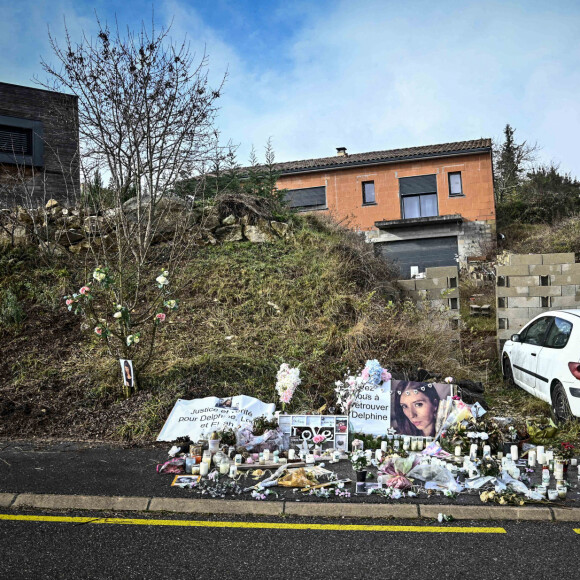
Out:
{"x": 39, "y": 146}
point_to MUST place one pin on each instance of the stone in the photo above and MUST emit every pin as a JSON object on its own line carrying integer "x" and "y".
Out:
{"x": 51, "y": 203}
{"x": 210, "y": 220}
{"x": 68, "y": 237}
{"x": 257, "y": 235}
{"x": 229, "y": 221}
{"x": 280, "y": 228}
{"x": 95, "y": 225}
{"x": 229, "y": 233}
{"x": 23, "y": 216}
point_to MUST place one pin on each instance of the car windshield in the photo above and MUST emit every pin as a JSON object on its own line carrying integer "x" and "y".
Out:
{"x": 536, "y": 332}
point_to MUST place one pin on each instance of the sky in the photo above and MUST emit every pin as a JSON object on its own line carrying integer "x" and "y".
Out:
{"x": 366, "y": 75}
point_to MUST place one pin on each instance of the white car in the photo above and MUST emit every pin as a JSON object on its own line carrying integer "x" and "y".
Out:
{"x": 544, "y": 359}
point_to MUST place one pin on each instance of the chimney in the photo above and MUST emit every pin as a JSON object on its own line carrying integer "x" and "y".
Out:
{"x": 341, "y": 151}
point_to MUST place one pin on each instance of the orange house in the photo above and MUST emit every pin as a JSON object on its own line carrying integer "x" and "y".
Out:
{"x": 421, "y": 206}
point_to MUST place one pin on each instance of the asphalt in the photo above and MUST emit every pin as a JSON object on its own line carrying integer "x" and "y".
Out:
{"x": 96, "y": 476}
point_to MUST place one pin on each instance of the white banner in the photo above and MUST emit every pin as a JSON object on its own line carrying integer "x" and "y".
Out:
{"x": 202, "y": 416}
{"x": 371, "y": 411}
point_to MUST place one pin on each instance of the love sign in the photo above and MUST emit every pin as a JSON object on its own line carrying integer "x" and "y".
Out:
{"x": 300, "y": 429}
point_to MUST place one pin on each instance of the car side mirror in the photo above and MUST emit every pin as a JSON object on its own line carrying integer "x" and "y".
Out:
{"x": 516, "y": 338}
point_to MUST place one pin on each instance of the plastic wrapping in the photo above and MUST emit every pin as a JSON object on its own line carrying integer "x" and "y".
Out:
{"x": 272, "y": 439}
{"x": 435, "y": 477}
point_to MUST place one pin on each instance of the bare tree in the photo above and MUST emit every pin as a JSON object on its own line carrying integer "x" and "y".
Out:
{"x": 146, "y": 120}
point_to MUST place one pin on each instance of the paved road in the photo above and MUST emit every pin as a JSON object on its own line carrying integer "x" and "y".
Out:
{"x": 77, "y": 549}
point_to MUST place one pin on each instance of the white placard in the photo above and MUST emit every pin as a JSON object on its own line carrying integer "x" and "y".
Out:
{"x": 198, "y": 416}
{"x": 371, "y": 411}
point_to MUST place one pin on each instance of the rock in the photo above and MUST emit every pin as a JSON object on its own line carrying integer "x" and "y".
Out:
{"x": 280, "y": 228}
{"x": 229, "y": 233}
{"x": 258, "y": 234}
{"x": 95, "y": 225}
{"x": 229, "y": 221}
{"x": 68, "y": 237}
{"x": 210, "y": 220}
{"x": 53, "y": 249}
{"x": 72, "y": 222}
{"x": 23, "y": 216}
{"x": 51, "y": 203}
{"x": 209, "y": 239}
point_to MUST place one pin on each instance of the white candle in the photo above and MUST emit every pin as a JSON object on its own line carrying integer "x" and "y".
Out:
{"x": 203, "y": 468}
{"x": 406, "y": 443}
{"x": 378, "y": 455}
{"x": 532, "y": 458}
{"x": 380, "y": 480}
{"x": 224, "y": 468}
{"x": 552, "y": 494}
{"x": 562, "y": 491}
{"x": 309, "y": 458}
{"x": 573, "y": 461}
{"x": 473, "y": 451}
{"x": 414, "y": 444}
{"x": 540, "y": 450}
{"x": 549, "y": 455}
{"x": 369, "y": 454}
{"x": 420, "y": 444}
{"x": 266, "y": 455}
{"x": 486, "y": 451}
{"x": 514, "y": 450}
{"x": 291, "y": 454}
{"x": 384, "y": 446}
{"x": 458, "y": 451}
{"x": 233, "y": 470}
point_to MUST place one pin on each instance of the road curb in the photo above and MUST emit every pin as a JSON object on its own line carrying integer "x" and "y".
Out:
{"x": 277, "y": 508}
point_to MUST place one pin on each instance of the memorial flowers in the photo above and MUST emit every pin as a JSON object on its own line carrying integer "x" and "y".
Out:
{"x": 287, "y": 379}
{"x": 348, "y": 390}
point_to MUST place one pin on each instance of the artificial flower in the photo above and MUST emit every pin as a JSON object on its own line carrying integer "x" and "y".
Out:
{"x": 117, "y": 315}
{"x": 85, "y": 290}
{"x": 160, "y": 316}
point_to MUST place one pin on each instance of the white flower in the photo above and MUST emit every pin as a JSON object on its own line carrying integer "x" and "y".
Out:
{"x": 162, "y": 280}
{"x": 483, "y": 436}
{"x": 396, "y": 493}
{"x": 136, "y": 339}
{"x": 130, "y": 340}
{"x": 448, "y": 380}
{"x": 99, "y": 276}
{"x": 117, "y": 315}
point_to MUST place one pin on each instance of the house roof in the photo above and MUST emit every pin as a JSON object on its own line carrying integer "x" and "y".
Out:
{"x": 389, "y": 156}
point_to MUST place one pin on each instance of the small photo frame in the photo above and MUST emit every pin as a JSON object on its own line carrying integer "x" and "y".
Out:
{"x": 128, "y": 374}
{"x": 185, "y": 480}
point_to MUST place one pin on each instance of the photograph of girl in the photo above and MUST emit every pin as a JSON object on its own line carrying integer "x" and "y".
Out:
{"x": 415, "y": 405}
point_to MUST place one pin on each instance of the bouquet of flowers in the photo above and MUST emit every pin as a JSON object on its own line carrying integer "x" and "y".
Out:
{"x": 396, "y": 471}
{"x": 348, "y": 390}
{"x": 359, "y": 461}
{"x": 288, "y": 379}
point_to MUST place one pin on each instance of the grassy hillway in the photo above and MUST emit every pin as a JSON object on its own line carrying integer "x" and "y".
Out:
{"x": 318, "y": 299}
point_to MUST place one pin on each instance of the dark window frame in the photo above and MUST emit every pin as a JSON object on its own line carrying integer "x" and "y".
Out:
{"x": 365, "y": 202}
{"x": 461, "y": 193}
{"x": 419, "y": 194}
{"x": 36, "y": 158}
{"x": 314, "y": 207}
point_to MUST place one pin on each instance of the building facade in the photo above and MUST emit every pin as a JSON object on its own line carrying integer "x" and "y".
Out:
{"x": 39, "y": 146}
{"x": 428, "y": 206}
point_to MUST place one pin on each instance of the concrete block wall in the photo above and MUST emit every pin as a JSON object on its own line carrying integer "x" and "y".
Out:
{"x": 532, "y": 284}
{"x": 440, "y": 288}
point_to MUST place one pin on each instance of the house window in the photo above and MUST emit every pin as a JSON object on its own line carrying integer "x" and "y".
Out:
{"x": 307, "y": 199}
{"x": 368, "y": 191}
{"x": 455, "y": 185}
{"x": 21, "y": 141}
{"x": 418, "y": 196}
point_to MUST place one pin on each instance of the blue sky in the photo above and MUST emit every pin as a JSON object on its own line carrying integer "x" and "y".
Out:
{"x": 367, "y": 75}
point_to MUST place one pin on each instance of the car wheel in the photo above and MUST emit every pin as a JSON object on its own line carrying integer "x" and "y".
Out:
{"x": 560, "y": 405}
{"x": 508, "y": 375}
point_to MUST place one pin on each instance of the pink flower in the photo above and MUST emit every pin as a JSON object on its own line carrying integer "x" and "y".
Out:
{"x": 318, "y": 438}
{"x": 69, "y": 301}
{"x": 386, "y": 375}
{"x": 160, "y": 317}
{"x": 286, "y": 396}
{"x": 364, "y": 374}
{"x": 85, "y": 290}
{"x": 99, "y": 330}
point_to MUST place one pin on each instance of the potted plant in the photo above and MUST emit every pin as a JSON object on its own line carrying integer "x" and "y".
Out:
{"x": 359, "y": 463}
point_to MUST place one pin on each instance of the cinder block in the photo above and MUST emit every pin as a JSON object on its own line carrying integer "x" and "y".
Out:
{"x": 524, "y": 281}
{"x": 442, "y": 272}
{"x": 545, "y": 290}
{"x": 514, "y": 270}
{"x": 505, "y": 334}
{"x": 517, "y": 291}
{"x": 442, "y": 293}
{"x": 570, "y": 268}
{"x": 417, "y": 295}
{"x": 545, "y": 270}
{"x": 565, "y": 302}
{"x": 440, "y": 282}
{"x": 558, "y": 258}
{"x": 516, "y": 314}
{"x": 516, "y": 325}
{"x": 523, "y": 302}
{"x": 522, "y": 259}
{"x": 564, "y": 279}
{"x": 533, "y": 312}
{"x": 407, "y": 284}
{"x": 569, "y": 290}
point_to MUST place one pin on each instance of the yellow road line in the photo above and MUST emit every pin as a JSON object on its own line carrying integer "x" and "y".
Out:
{"x": 252, "y": 525}
{"x": 577, "y": 530}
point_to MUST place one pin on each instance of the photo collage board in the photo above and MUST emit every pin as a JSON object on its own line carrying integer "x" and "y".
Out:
{"x": 298, "y": 429}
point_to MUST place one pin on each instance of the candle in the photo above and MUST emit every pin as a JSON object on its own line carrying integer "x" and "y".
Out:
{"x": 233, "y": 470}
{"x": 207, "y": 458}
{"x": 532, "y": 458}
{"x": 384, "y": 446}
{"x": 266, "y": 455}
{"x": 336, "y": 456}
{"x": 413, "y": 443}
{"x": 276, "y": 459}
{"x": 204, "y": 468}
{"x": 238, "y": 459}
{"x": 514, "y": 450}
{"x": 542, "y": 490}
{"x": 573, "y": 461}
{"x": 562, "y": 491}
{"x": 406, "y": 443}
{"x": 486, "y": 451}
{"x": 261, "y": 459}
{"x": 552, "y": 494}
{"x": 540, "y": 454}
{"x": 473, "y": 451}
{"x": 378, "y": 455}
{"x": 291, "y": 454}
{"x": 380, "y": 480}
{"x": 309, "y": 458}
{"x": 458, "y": 451}
{"x": 500, "y": 454}
{"x": 420, "y": 444}
{"x": 369, "y": 454}
{"x": 550, "y": 455}
{"x": 224, "y": 468}
{"x": 545, "y": 475}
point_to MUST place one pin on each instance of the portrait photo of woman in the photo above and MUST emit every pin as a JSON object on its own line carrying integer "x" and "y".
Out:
{"x": 127, "y": 368}
{"x": 415, "y": 406}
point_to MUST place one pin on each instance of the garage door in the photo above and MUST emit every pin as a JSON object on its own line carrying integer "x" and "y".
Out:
{"x": 425, "y": 253}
